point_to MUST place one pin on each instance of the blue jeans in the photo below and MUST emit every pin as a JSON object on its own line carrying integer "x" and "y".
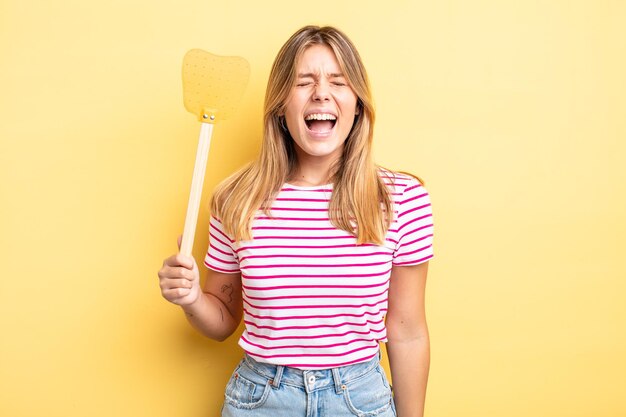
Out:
{"x": 259, "y": 389}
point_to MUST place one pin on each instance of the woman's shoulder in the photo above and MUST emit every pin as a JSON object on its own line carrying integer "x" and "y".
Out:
{"x": 400, "y": 181}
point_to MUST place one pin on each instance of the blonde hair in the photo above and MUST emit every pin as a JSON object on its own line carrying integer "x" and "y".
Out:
{"x": 360, "y": 203}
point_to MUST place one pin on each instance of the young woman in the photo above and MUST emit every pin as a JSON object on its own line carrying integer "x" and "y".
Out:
{"x": 322, "y": 252}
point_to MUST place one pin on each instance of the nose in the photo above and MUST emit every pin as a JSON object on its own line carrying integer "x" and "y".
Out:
{"x": 321, "y": 92}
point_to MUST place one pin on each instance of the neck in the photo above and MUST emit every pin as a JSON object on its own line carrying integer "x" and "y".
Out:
{"x": 311, "y": 172}
{"x": 308, "y": 177}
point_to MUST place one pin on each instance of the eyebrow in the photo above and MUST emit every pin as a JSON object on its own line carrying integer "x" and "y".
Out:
{"x": 312, "y": 75}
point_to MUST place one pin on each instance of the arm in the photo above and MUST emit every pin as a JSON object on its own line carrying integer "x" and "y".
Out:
{"x": 214, "y": 310}
{"x": 217, "y": 311}
{"x": 408, "y": 345}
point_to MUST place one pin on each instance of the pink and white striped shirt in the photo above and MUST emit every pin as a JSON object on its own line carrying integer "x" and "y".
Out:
{"x": 312, "y": 297}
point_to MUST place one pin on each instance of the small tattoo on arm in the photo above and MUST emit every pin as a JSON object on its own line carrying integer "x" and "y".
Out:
{"x": 228, "y": 290}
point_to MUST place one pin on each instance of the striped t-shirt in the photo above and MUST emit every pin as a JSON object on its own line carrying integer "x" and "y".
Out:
{"x": 312, "y": 297}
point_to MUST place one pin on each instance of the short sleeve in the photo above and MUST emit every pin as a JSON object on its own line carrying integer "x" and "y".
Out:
{"x": 415, "y": 226}
{"x": 220, "y": 256}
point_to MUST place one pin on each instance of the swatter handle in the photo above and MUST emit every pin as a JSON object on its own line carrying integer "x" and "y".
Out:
{"x": 202, "y": 155}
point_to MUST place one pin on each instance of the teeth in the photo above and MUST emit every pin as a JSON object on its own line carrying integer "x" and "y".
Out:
{"x": 321, "y": 116}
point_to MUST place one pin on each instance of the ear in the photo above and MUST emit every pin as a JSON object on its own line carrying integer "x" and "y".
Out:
{"x": 357, "y": 111}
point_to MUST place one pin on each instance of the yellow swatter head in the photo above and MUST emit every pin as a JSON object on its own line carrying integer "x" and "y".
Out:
{"x": 213, "y": 84}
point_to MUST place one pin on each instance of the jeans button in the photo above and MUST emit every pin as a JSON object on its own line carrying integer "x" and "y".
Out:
{"x": 312, "y": 379}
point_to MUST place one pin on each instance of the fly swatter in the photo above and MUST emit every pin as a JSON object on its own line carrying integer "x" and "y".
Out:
{"x": 212, "y": 88}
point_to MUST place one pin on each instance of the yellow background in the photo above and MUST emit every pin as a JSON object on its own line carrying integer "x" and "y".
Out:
{"x": 513, "y": 112}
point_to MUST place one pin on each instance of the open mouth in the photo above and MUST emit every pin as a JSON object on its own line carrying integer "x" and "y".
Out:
{"x": 320, "y": 122}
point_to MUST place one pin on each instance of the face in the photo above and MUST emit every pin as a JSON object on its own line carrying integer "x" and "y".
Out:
{"x": 321, "y": 107}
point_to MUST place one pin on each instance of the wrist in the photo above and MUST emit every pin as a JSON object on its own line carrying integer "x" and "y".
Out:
{"x": 195, "y": 306}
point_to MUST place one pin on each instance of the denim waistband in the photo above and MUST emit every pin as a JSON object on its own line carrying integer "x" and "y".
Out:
{"x": 312, "y": 379}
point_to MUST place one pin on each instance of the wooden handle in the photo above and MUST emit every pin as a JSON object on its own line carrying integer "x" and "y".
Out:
{"x": 202, "y": 155}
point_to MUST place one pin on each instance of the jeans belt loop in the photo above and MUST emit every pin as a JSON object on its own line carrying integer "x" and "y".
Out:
{"x": 337, "y": 378}
{"x": 278, "y": 376}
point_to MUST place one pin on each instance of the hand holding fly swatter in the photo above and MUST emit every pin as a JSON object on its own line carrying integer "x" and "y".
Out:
{"x": 212, "y": 86}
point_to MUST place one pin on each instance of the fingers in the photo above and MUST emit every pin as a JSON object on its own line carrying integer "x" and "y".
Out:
{"x": 180, "y": 296}
{"x": 167, "y": 284}
{"x": 179, "y": 278}
{"x": 180, "y": 260}
{"x": 173, "y": 294}
{"x": 178, "y": 284}
{"x": 168, "y": 272}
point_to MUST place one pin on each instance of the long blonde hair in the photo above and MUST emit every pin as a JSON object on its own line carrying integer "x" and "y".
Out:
{"x": 360, "y": 203}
